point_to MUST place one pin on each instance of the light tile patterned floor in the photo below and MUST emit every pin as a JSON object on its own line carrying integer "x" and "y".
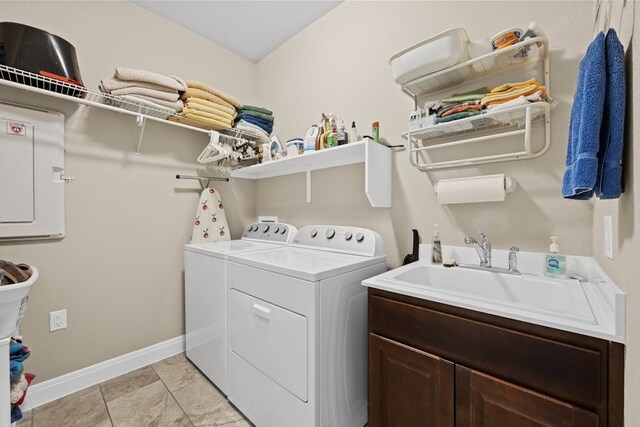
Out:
{"x": 171, "y": 392}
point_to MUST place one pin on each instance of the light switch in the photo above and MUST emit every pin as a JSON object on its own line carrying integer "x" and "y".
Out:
{"x": 608, "y": 236}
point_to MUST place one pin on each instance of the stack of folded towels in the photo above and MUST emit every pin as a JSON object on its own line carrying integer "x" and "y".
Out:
{"x": 207, "y": 107}
{"x": 20, "y": 381}
{"x": 257, "y": 120}
{"x": 146, "y": 88}
{"x": 462, "y": 105}
{"x": 513, "y": 94}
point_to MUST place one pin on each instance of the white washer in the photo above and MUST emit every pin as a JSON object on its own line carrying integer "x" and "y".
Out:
{"x": 298, "y": 328}
{"x": 205, "y": 270}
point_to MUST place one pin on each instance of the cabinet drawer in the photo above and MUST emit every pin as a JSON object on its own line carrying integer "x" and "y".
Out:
{"x": 568, "y": 372}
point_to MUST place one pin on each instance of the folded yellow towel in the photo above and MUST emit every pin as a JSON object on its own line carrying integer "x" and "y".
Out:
{"x": 197, "y": 85}
{"x": 512, "y": 93}
{"x": 187, "y": 110}
{"x": 199, "y": 121}
{"x": 508, "y": 86}
{"x": 210, "y": 107}
{"x": 202, "y": 94}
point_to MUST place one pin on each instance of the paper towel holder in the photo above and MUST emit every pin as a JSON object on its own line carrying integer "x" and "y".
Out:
{"x": 509, "y": 184}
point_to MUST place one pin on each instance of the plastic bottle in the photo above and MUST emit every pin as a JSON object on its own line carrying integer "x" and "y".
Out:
{"x": 353, "y": 133}
{"x": 375, "y": 129}
{"x": 555, "y": 265}
{"x": 343, "y": 137}
{"x": 436, "y": 246}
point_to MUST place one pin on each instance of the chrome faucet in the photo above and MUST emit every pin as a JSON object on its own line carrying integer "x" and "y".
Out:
{"x": 483, "y": 248}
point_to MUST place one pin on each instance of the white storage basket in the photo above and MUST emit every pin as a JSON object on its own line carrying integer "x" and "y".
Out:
{"x": 434, "y": 54}
{"x": 13, "y": 304}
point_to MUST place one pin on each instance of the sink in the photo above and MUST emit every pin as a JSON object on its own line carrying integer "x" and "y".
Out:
{"x": 526, "y": 292}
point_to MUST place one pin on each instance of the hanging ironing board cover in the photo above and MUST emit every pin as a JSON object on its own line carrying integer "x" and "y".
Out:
{"x": 210, "y": 224}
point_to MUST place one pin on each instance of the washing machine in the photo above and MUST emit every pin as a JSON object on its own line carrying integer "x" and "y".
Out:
{"x": 205, "y": 266}
{"x": 298, "y": 328}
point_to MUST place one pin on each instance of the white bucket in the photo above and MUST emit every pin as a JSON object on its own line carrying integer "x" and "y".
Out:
{"x": 13, "y": 304}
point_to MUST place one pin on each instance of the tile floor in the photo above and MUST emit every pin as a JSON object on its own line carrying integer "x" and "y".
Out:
{"x": 171, "y": 392}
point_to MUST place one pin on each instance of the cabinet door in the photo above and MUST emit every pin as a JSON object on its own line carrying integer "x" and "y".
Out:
{"x": 484, "y": 401}
{"x": 408, "y": 387}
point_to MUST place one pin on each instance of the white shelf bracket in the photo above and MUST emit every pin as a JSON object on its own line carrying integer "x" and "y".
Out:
{"x": 308, "y": 183}
{"x": 141, "y": 122}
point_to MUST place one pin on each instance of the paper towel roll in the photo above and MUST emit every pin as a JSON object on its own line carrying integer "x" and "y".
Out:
{"x": 475, "y": 189}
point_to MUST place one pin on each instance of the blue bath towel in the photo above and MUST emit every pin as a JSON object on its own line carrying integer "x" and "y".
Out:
{"x": 581, "y": 175}
{"x": 609, "y": 184}
{"x": 264, "y": 125}
{"x": 15, "y": 370}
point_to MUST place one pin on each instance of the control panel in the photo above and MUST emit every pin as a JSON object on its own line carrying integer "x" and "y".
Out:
{"x": 270, "y": 231}
{"x": 336, "y": 238}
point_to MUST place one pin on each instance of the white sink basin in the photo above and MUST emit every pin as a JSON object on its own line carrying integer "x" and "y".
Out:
{"x": 560, "y": 298}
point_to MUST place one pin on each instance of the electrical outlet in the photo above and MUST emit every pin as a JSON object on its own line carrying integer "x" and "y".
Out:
{"x": 57, "y": 320}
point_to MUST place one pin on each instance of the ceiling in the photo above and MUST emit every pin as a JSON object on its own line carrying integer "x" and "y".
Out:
{"x": 252, "y": 29}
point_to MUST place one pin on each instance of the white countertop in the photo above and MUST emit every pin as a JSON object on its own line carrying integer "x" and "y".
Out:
{"x": 605, "y": 300}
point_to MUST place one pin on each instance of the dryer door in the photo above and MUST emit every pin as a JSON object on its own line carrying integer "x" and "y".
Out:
{"x": 270, "y": 338}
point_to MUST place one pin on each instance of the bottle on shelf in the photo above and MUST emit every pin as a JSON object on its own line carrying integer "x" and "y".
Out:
{"x": 353, "y": 133}
{"x": 343, "y": 137}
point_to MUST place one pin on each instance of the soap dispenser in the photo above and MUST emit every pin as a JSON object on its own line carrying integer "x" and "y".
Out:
{"x": 555, "y": 265}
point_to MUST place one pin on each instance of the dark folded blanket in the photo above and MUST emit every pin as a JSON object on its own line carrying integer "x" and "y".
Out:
{"x": 265, "y": 117}
{"x": 252, "y": 108}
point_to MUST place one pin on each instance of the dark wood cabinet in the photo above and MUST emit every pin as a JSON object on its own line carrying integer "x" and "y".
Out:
{"x": 484, "y": 401}
{"x": 432, "y": 364}
{"x": 410, "y": 388}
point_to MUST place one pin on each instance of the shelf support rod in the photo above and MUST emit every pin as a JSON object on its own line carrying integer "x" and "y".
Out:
{"x": 308, "y": 183}
{"x": 141, "y": 122}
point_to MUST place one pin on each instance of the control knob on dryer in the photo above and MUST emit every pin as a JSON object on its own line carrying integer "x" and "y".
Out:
{"x": 330, "y": 233}
{"x": 314, "y": 233}
{"x": 275, "y": 230}
{"x": 283, "y": 230}
{"x": 265, "y": 228}
{"x": 348, "y": 235}
{"x": 359, "y": 237}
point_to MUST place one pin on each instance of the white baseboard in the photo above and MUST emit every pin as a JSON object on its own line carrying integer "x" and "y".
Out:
{"x": 55, "y": 388}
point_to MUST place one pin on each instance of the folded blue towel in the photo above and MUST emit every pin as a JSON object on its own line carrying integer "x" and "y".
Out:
{"x": 15, "y": 370}
{"x": 17, "y": 352}
{"x": 581, "y": 174}
{"x": 16, "y": 414}
{"x": 266, "y": 126}
{"x": 609, "y": 184}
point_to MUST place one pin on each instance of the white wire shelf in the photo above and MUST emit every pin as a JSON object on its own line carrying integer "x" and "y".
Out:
{"x": 56, "y": 88}
{"x": 519, "y": 55}
{"x": 515, "y": 121}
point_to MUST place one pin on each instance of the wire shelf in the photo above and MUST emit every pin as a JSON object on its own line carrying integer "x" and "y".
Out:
{"x": 519, "y": 55}
{"x": 14, "y": 77}
{"x": 515, "y": 121}
{"x": 489, "y": 121}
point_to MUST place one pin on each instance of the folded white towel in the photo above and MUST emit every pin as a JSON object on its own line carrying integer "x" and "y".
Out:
{"x": 176, "y": 105}
{"x": 124, "y": 73}
{"x": 115, "y": 84}
{"x": 261, "y": 135}
{"x": 153, "y": 93}
{"x": 146, "y": 103}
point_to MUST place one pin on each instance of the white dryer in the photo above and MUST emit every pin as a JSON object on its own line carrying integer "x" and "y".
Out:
{"x": 298, "y": 328}
{"x": 205, "y": 270}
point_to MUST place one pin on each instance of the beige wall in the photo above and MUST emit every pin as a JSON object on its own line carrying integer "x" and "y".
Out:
{"x": 118, "y": 272}
{"x": 626, "y": 217}
{"x": 339, "y": 64}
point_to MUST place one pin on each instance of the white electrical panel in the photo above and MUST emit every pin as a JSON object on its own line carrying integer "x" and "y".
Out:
{"x": 31, "y": 173}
